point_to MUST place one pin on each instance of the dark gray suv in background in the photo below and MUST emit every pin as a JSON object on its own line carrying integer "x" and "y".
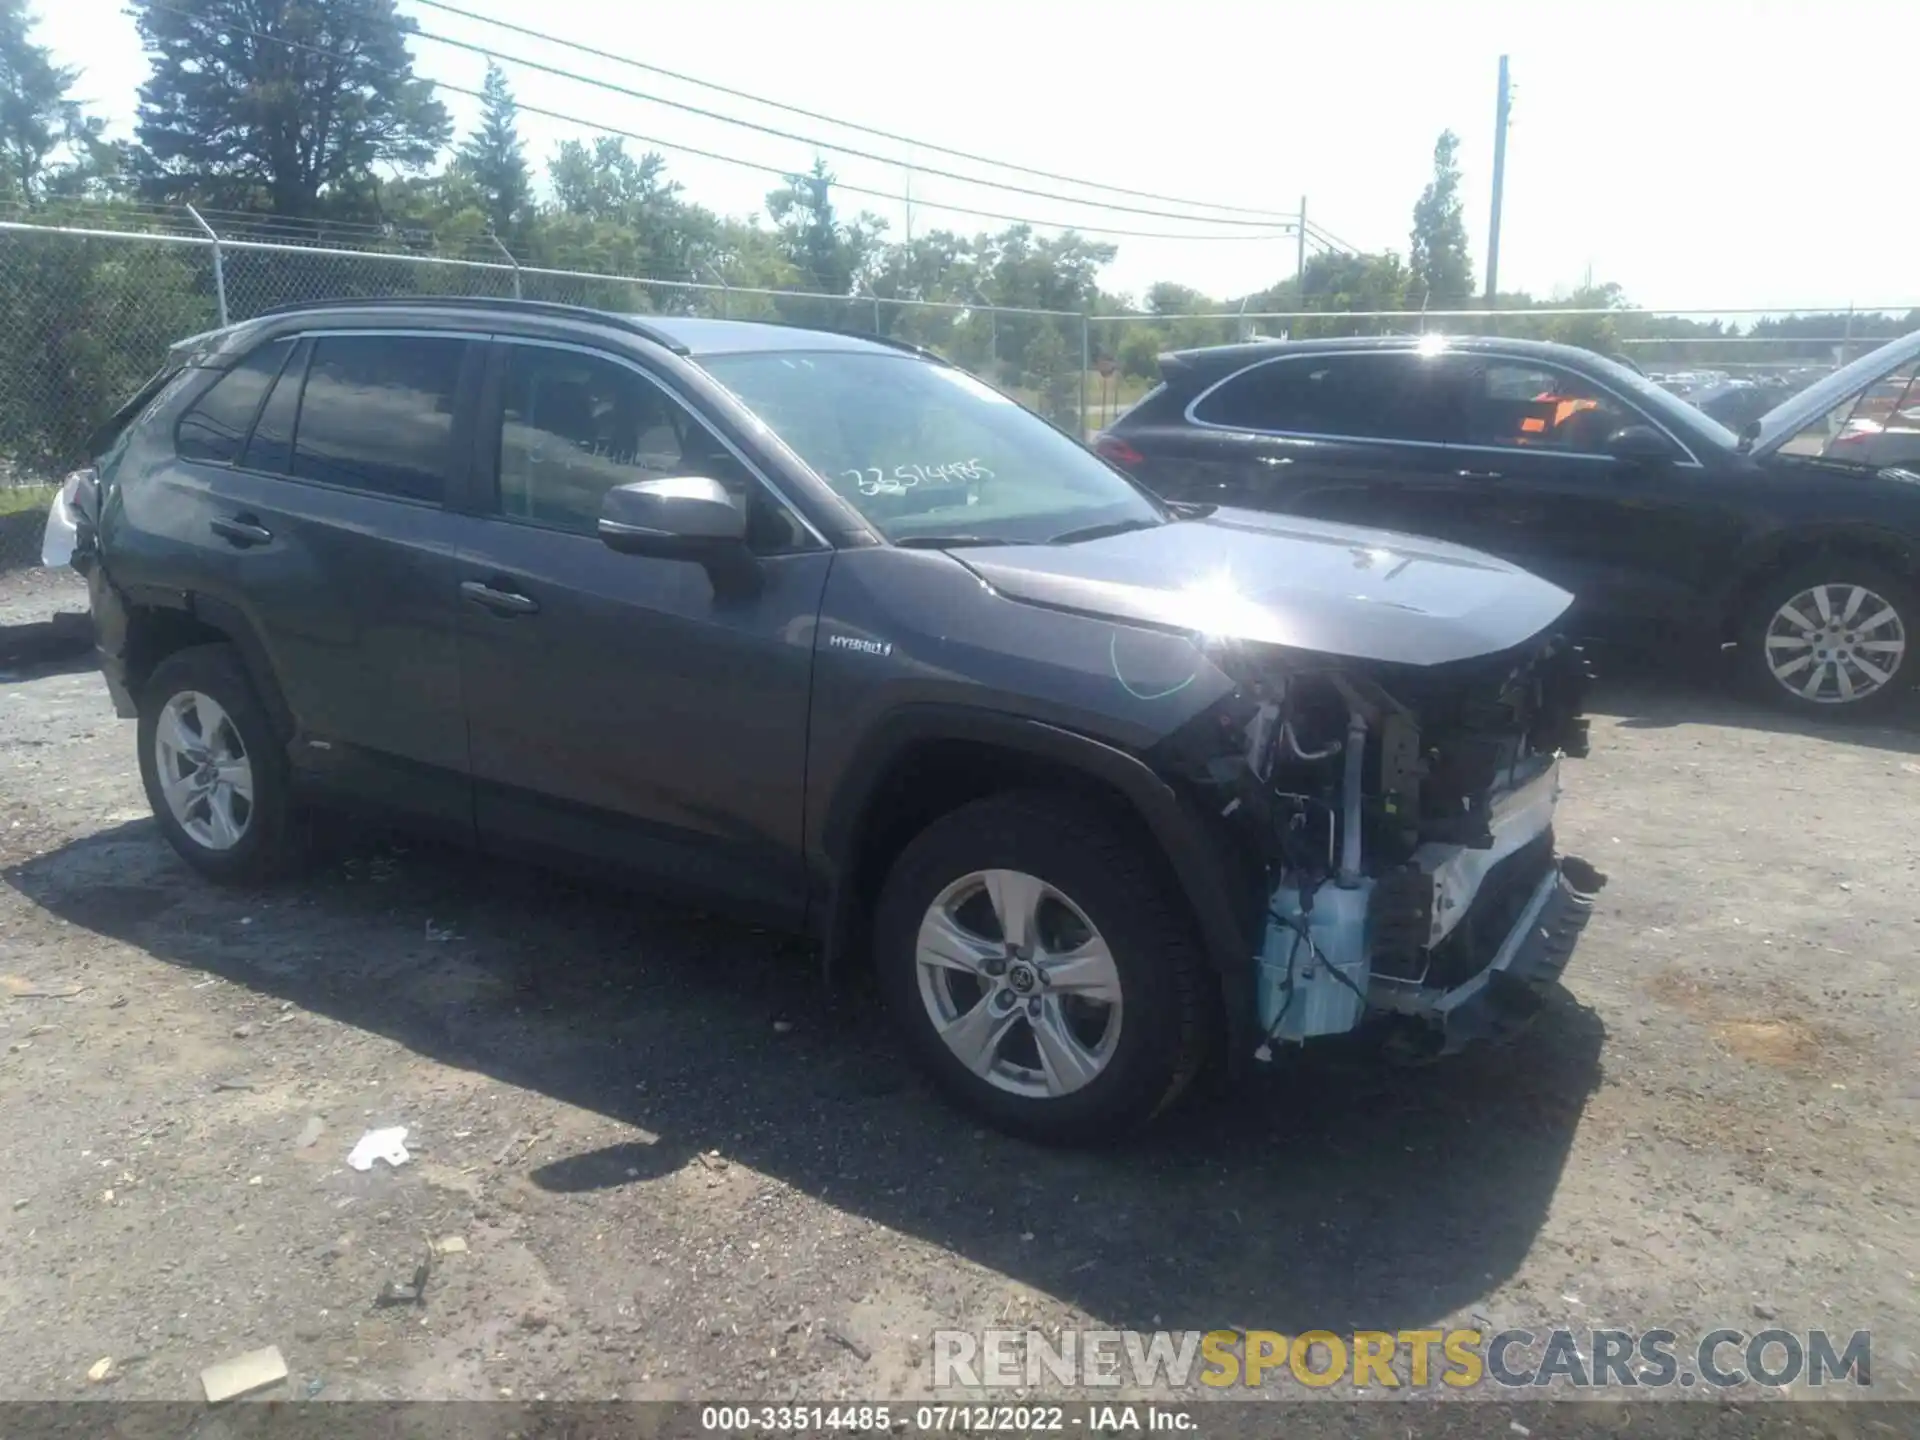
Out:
{"x": 823, "y": 632}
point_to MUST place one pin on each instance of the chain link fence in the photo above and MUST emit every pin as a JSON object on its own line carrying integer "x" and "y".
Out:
{"x": 90, "y": 305}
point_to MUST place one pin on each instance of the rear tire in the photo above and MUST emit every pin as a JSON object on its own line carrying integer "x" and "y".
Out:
{"x": 1831, "y": 639}
{"x": 1093, "y": 1020}
{"x": 215, "y": 772}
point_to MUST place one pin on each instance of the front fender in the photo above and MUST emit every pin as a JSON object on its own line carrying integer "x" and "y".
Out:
{"x": 1192, "y": 851}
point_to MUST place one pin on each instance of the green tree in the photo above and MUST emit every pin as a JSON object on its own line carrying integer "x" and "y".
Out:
{"x": 44, "y": 138}
{"x": 619, "y": 213}
{"x": 287, "y": 102}
{"x": 1442, "y": 269}
{"x": 493, "y": 158}
{"x": 830, "y": 255}
{"x": 604, "y": 182}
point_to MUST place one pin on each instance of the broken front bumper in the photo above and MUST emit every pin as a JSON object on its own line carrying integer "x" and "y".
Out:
{"x": 1503, "y": 998}
{"x": 1484, "y": 933}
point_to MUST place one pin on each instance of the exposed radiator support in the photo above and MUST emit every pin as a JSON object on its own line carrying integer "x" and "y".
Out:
{"x": 1349, "y": 875}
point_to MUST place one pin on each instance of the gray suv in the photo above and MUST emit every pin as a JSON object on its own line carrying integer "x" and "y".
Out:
{"x": 823, "y": 632}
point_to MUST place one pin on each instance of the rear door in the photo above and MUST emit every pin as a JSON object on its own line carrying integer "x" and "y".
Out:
{"x": 321, "y": 465}
{"x": 1358, "y": 436}
{"x": 622, "y": 708}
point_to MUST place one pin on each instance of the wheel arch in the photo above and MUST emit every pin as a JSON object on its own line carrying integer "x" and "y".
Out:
{"x": 1788, "y": 550}
{"x": 927, "y": 760}
{"x": 159, "y": 625}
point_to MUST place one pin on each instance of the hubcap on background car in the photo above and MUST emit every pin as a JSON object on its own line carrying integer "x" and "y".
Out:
{"x": 1835, "y": 644}
{"x": 1018, "y": 983}
{"x": 204, "y": 771}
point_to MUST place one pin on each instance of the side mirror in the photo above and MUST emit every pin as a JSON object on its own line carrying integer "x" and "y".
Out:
{"x": 1639, "y": 445}
{"x": 686, "y": 517}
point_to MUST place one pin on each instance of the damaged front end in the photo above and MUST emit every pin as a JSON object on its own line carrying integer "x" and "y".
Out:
{"x": 1400, "y": 823}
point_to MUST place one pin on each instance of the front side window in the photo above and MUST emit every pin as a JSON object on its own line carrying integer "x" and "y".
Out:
{"x": 1393, "y": 395}
{"x": 377, "y": 414}
{"x": 1536, "y": 407}
{"x": 215, "y": 426}
{"x": 575, "y": 425}
{"x": 926, "y": 450}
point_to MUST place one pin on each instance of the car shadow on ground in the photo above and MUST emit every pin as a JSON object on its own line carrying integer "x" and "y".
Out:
{"x": 1325, "y": 1191}
{"x": 1659, "y": 692}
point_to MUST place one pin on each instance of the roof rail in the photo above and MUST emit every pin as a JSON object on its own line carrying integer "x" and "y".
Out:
{"x": 887, "y": 340}
{"x": 487, "y": 302}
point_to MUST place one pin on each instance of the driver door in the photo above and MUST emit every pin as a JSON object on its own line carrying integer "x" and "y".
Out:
{"x": 618, "y": 709}
{"x": 1634, "y": 541}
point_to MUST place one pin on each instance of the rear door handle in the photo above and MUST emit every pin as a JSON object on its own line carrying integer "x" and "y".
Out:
{"x": 240, "y": 530}
{"x": 501, "y": 602}
{"x": 1276, "y": 460}
{"x": 1478, "y": 474}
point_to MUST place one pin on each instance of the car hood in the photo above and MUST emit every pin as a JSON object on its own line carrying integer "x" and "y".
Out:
{"x": 1793, "y": 415}
{"x": 1281, "y": 580}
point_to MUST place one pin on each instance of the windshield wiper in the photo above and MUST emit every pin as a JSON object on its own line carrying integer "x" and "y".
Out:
{"x": 1100, "y": 532}
{"x": 954, "y": 542}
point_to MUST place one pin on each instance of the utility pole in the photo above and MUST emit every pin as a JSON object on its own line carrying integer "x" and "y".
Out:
{"x": 1503, "y": 113}
{"x": 909, "y": 197}
{"x": 1300, "y": 253}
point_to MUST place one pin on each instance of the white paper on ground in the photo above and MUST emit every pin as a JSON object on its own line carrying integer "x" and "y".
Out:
{"x": 389, "y": 1145}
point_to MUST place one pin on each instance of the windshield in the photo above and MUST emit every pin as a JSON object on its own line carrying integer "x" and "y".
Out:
{"x": 925, "y": 450}
{"x": 1878, "y": 426}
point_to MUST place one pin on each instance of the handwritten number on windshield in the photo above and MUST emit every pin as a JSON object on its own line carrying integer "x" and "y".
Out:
{"x": 876, "y": 481}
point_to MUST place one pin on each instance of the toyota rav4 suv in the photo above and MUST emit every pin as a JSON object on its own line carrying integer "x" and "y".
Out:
{"x": 823, "y": 632}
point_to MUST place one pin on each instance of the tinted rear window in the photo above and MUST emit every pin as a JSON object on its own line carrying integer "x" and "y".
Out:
{"x": 271, "y": 448}
{"x": 215, "y": 427}
{"x": 377, "y": 414}
{"x": 1391, "y": 396}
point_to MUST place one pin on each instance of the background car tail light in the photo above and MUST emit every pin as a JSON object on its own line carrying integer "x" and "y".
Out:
{"x": 1118, "y": 451}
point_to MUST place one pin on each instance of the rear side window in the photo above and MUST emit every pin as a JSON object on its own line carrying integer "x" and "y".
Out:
{"x": 214, "y": 429}
{"x": 377, "y": 414}
{"x": 271, "y": 448}
{"x": 1390, "y": 396}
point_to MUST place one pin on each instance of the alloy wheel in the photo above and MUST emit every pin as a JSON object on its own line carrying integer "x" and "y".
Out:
{"x": 204, "y": 771}
{"x": 1019, "y": 984}
{"x": 1835, "y": 644}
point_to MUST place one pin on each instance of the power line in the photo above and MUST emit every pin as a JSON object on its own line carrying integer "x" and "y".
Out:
{"x": 896, "y": 138}
{"x": 1326, "y": 237}
{"x": 922, "y": 202}
{"x": 818, "y": 144}
{"x": 780, "y": 171}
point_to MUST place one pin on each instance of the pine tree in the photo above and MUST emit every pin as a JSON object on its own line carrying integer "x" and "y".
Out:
{"x": 1442, "y": 268}
{"x": 493, "y": 158}
{"x": 290, "y": 102}
{"x": 36, "y": 117}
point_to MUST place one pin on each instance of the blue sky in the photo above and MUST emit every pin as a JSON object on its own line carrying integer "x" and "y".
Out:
{"x": 1704, "y": 153}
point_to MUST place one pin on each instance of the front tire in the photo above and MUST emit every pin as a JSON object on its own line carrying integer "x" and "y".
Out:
{"x": 1044, "y": 975}
{"x": 1831, "y": 639}
{"x": 214, "y": 771}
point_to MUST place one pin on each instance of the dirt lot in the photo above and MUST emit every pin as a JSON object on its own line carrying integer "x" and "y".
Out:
{"x": 678, "y": 1171}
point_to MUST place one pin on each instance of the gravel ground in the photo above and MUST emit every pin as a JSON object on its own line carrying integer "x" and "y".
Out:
{"x": 678, "y": 1170}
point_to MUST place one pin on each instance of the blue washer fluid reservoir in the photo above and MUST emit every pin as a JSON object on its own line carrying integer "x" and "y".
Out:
{"x": 1323, "y": 1002}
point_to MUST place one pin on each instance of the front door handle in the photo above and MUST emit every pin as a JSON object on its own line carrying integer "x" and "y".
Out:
{"x": 501, "y": 602}
{"x": 1478, "y": 474}
{"x": 240, "y": 530}
{"x": 1276, "y": 460}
